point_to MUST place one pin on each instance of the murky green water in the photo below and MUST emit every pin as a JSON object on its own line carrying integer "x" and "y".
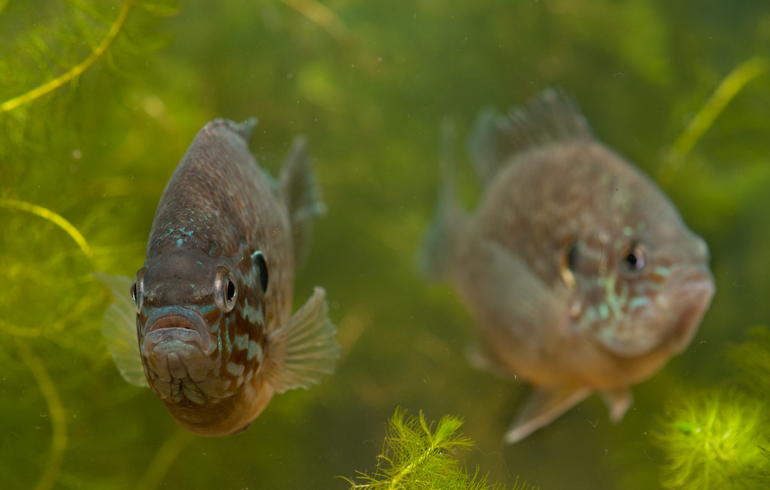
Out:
{"x": 368, "y": 83}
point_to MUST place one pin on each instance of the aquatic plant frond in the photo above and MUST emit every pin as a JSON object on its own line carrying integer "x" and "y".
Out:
{"x": 732, "y": 84}
{"x": 56, "y": 219}
{"x": 753, "y": 358}
{"x": 75, "y": 71}
{"x": 711, "y": 441}
{"x": 415, "y": 456}
{"x": 56, "y": 411}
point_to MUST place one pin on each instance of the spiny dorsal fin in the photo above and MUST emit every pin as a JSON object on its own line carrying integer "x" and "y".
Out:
{"x": 243, "y": 129}
{"x": 301, "y": 196}
{"x": 304, "y": 349}
{"x": 551, "y": 117}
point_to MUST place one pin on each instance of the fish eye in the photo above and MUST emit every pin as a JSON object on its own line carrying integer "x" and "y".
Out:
{"x": 225, "y": 290}
{"x": 632, "y": 258}
{"x": 262, "y": 271}
{"x": 136, "y": 290}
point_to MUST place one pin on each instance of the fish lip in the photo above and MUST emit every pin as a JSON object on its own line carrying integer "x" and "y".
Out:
{"x": 695, "y": 290}
{"x": 176, "y": 323}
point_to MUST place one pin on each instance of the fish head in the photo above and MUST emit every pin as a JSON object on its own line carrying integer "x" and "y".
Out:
{"x": 640, "y": 276}
{"x": 199, "y": 335}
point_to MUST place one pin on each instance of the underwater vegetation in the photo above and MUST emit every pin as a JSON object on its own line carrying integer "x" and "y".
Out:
{"x": 718, "y": 438}
{"x": 416, "y": 456}
{"x": 127, "y": 85}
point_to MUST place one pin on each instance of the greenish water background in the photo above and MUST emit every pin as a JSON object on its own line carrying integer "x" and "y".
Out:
{"x": 369, "y": 92}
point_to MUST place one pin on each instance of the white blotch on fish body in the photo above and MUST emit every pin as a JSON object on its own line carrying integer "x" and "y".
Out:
{"x": 252, "y": 314}
{"x": 255, "y": 350}
{"x": 242, "y": 341}
{"x": 236, "y": 369}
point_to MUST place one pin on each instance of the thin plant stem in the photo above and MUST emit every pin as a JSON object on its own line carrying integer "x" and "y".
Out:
{"x": 704, "y": 119}
{"x": 163, "y": 459}
{"x": 57, "y": 220}
{"x": 321, "y": 15}
{"x": 76, "y": 70}
{"x": 56, "y": 412}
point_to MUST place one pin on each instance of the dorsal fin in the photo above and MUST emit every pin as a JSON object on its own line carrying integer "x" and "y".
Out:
{"x": 243, "y": 129}
{"x": 550, "y": 117}
{"x": 301, "y": 196}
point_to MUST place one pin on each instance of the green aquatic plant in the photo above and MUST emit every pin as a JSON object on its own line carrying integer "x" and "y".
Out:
{"x": 718, "y": 439}
{"x": 415, "y": 456}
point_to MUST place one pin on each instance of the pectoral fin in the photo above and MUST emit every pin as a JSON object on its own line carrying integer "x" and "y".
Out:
{"x": 618, "y": 402}
{"x": 304, "y": 348}
{"x": 119, "y": 329}
{"x": 542, "y": 407}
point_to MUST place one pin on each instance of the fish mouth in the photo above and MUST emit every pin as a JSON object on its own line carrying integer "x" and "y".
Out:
{"x": 693, "y": 292}
{"x": 176, "y": 324}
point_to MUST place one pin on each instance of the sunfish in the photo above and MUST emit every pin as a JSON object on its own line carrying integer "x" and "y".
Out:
{"x": 580, "y": 274}
{"x": 207, "y": 320}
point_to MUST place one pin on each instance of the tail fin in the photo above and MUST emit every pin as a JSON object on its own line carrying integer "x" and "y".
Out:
{"x": 436, "y": 250}
{"x": 301, "y": 196}
{"x": 551, "y": 117}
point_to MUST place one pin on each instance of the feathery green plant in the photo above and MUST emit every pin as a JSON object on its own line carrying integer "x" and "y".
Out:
{"x": 716, "y": 439}
{"x": 415, "y": 456}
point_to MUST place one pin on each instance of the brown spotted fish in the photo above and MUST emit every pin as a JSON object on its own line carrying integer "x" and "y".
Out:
{"x": 211, "y": 307}
{"x": 579, "y": 272}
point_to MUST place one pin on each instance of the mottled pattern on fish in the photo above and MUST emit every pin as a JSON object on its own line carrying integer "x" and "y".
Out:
{"x": 213, "y": 300}
{"x": 578, "y": 270}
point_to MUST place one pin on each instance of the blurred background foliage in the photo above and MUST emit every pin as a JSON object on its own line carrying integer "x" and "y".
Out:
{"x": 368, "y": 83}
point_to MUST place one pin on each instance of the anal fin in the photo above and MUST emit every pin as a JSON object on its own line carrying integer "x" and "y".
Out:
{"x": 542, "y": 407}
{"x": 618, "y": 402}
{"x": 304, "y": 349}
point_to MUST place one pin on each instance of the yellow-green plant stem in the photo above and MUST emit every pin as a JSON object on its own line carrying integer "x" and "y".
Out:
{"x": 163, "y": 459}
{"x": 704, "y": 119}
{"x": 56, "y": 412}
{"x": 74, "y": 71}
{"x": 321, "y": 15}
{"x": 57, "y": 220}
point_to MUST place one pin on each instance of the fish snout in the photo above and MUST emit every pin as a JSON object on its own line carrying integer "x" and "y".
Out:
{"x": 176, "y": 324}
{"x": 693, "y": 293}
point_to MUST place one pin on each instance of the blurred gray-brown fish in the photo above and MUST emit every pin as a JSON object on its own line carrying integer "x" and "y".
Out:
{"x": 579, "y": 272}
{"x": 211, "y": 308}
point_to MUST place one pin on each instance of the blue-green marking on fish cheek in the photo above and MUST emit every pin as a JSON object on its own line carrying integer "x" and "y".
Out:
{"x": 179, "y": 243}
{"x": 638, "y": 302}
{"x": 627, "y": 231}
{"x": 662, "y": 271}
{"x": 604, "y": 311}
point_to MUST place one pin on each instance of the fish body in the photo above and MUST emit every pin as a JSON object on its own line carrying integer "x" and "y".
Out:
{"x": 579, "y": 272}
{"x": 212, "y": 325}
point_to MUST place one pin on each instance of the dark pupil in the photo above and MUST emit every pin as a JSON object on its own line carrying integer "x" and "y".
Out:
{"x": 631, "y": 259}
{"x": 572, "y": 255}
{"x": 133, "y": 292}
{"x": 230, "y": 290}
{"x": 262, "y": 265}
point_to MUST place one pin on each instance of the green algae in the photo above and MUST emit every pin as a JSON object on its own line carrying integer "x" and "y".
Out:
{"x": 369, "y": 87}
{"x": 716, "y": 438}
{"x": 417, "y": 456}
